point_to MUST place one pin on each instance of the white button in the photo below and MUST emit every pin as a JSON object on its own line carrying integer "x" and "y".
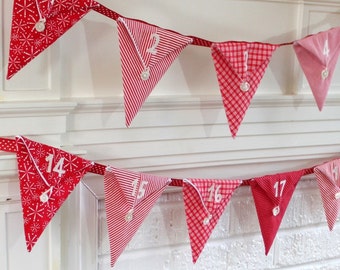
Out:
{"x": 337, "y": 196}
{"x": 44, "y": 197}
{"x": 244, "y": 86}
{"x": 145, "y": 74}
{"x": 324, "y": 74}
{"x": 206, "y": 221}
{"x": 129, "y": 215}
{"x": 40, "y": 26}
{"x": 276, "y": 210}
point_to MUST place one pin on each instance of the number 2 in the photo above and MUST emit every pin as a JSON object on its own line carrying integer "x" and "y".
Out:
{"x": 152, "y": 49}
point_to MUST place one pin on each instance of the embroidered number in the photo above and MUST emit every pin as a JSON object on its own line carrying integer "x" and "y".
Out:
{"x": 141, "y": 189}
{"x": 214, "y": 193}
{"x": 157, "y": 39}
{"x": 58, "y": 168}
{"x": 277, "y": 185}
{"x": 335, "y": 172}
{"x": 246, "y": 61}
{"x": 326, "y": 48}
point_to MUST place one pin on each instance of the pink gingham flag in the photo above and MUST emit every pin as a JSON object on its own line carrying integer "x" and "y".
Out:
{"x": 129, "y": 197}
{"x": 146, "y": 53}
{"x": 328, "y": 177}
{"x": 36, "y": 24}
{"x": 318, "y": 55}
{"x": 205, "y": 201}
{"x": 240, "y": 67}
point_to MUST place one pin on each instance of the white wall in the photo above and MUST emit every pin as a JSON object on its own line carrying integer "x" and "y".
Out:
{"x": 71, "y": 96}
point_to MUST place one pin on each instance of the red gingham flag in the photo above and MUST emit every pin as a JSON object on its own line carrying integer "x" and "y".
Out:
{"x": 129, "y": 197}
{"x": 36, "y": 24}
{"x": 328, "y": 177}
{"x": 205, "y": 201}
{"x": 240, "y": 67}
{"x": 47, "y": 176}
{"x": 318, "y": 55}
{"x": 272, "y": 194}
{"x": 146, "y": 53}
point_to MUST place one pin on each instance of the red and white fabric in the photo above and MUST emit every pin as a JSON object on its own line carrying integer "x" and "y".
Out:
{"x": 318, "y": 55}
{"x": 36, "y": 24}
{"x": 47, "y": 176}
{"x": 129, "y": 197}
{"x": 204, "y": 202}
{"x": 272, "y": 194}
{"x": 240, "y": 67}
{"x": 146, "y": 53}
{"x": 328, "y": 177}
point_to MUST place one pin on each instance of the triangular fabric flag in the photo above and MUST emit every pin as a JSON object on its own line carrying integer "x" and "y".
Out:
{"x": 204, "y": 202}
{"x": 240, "y": 67}
{"x": 328, "y": 177}
{"x": 146, "y": 53}
{"x": 272, "y": 194}
{"x": 318, "y": 55}
{"x": 47, "y": 176}
{"x": 36, "y": 24}
{"x": 129, "y": 197}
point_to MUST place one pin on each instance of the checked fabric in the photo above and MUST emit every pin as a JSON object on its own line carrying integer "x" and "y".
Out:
{"x": 36, "y": 24}
{"x": 318, "y": 55}
{"x": 129, "y": 197}
{"x": 146, "y": 53}
{"x": 328, "y": 177}
{"x": 204, "y": 202}
{"x": 47, "y": 176}
{"x": 240, "y": 67}
{"x": 272, "y": 194}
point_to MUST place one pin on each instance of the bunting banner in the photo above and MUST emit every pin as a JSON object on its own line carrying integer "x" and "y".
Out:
{"x": 272, "y": 194}
{"x": 318, "y": 55}
{"x": 129, "y": 197}
{"x": 204, "y": 202}
{"x": 240, "y": 67}
{"x": 47, "y": 176}
{"x": 36, "y": 24}
{"x": 328, "y": 179}
{"x": 146, "y": 53}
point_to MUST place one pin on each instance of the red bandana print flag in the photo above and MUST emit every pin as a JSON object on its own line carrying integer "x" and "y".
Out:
{"x": 36, "y": 24}
{"x": 146, "y": 53}
{"x": 47, "y": 176}
{"x": 129, "y": 197}
{"x": 272, "y": 194}
{"x": 204, "y": 202}
{"x": 328, "y": 177}
{"x": 240, "y": 67}
{"x": 318, "y": 55}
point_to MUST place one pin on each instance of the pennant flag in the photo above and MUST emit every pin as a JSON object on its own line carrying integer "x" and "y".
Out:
{"x": 129, "y": 197}
{"x": 318, "y": 55}
{"x": 47, "y": 176}
{"x": 204, "y": 202}
{"x": 146, "y": 53}
{"x": 272, "y": 194}
{"x": 37, "y": 24}
{"x": 328, "y": 177}
{"x": 240, "y": 67}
